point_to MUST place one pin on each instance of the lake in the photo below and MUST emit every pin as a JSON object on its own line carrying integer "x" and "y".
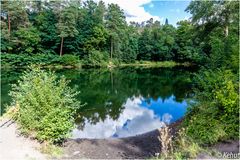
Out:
{"x": 121, "y": 102}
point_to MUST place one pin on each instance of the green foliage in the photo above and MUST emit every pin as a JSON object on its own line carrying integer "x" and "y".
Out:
{"x": 156, "y": 43}
{"x": 52, "y": 150}
{"x": 70, "y": 60}
{"x": 210, "y": 38}
{"x": 67, "y": 22}
{"x": 96, "y": 58}
{"x": 185, "y": 147}
{"x": 46, "y": 105}
{"x": 116, "y": 25}
{"x": 16, "y": 12}
{"x": 182, "y": 147}
{"x": 45, "y": 22}
{"x": 26, "y": 40}
{"x": 5, "y": 45}
{"x": 185, "y": 48}
{"x": 214, "y": 115}
{"x": 44, "y": 60}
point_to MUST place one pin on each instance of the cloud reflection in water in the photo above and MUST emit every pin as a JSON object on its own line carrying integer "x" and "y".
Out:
{"x": 135, "y": 119}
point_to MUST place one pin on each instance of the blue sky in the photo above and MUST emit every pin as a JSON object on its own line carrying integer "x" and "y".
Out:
{"x": 172, "y": 10}
{"x": 143, "y": 10}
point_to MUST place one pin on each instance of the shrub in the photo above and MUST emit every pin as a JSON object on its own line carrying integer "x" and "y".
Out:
{"x": 181, "y": 147}
{"x": 185, "y": 147}
{"x": 166, "y": 141}
{"x": 214, "y": 115}
{"x": 68, "y": 59}
{"x": 96, "y": 58}
{"x": 46, "y": 105}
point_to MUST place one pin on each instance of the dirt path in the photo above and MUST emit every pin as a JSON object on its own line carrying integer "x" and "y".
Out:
{"x": 15, "y": 147}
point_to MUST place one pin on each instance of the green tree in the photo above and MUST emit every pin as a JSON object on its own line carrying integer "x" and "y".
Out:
{"x": 45, "y": 22}
{"x": 67, "y": 24}
{"x": 5, "y": 45}
{"x": 185, "y": 50}
{"x": 166, "y": 21}
{"x": 145, "y": 45}
{"x": 212, "y": 21}
{"x": 92, "y": 28}
{"x": 129, "y": 44}
{"x": 156, "y": 41}
{"x": 115, "y": 23}
{"x": 211, "y": 14}
{"x": 13, "y": 15}
{"x": 26, "y": 40}
{"x": 16, "y": 14}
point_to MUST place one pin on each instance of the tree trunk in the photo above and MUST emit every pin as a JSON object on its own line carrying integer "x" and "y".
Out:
{"x": 9, "y": 24}
{"x": 61, "y": 48}
{"x": 111, "y": 49}
{"x": 111, "y": 75}
{"x": 226, "y": 31}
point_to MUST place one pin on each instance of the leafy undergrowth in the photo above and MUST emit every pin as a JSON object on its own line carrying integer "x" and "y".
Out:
{"x": 215, "y": 114}
{"x": 95, "y": 59}
{"x": 178, "y": 147}
{"x": 212, "y": 117}
{"x": 43, "y": 60}
{"x": 52, "y": 150}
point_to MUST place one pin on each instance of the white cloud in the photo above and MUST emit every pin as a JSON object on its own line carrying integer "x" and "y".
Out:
{"x": 162, "y": 20}
{"x": 133, "y": 9}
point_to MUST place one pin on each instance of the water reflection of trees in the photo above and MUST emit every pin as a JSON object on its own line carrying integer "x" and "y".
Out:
{"x": 105, "y": 91}
{"x": 8, "y": 77}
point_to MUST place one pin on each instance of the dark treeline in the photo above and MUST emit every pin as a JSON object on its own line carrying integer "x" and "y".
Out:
{"x": 96, "y": 32}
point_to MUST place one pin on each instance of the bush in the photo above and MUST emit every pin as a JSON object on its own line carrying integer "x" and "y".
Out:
{"x": 96, "y": 58}
{"x": 71, "y": 60}
{"x": 185, "y": 147}
{"x": 45, "y": 105}
{"x": 214, "y": 116}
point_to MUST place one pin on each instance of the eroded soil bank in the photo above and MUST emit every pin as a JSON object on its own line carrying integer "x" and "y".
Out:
{"x": 146, "y": 145}
{"x": 141, "y": 146}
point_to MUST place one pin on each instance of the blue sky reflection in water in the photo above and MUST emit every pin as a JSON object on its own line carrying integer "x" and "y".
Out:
{"x": 139, "y": 116}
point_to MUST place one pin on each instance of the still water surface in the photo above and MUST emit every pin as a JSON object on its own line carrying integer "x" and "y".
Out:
{"x": 122, "y": 102}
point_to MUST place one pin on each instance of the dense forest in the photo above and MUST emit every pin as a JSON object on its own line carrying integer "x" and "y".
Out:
{"x": 97, "y": 33}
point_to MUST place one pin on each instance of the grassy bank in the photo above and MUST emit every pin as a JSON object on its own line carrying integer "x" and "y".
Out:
{"x": 73, "y": 61}
{"x": 155, "y": 64}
